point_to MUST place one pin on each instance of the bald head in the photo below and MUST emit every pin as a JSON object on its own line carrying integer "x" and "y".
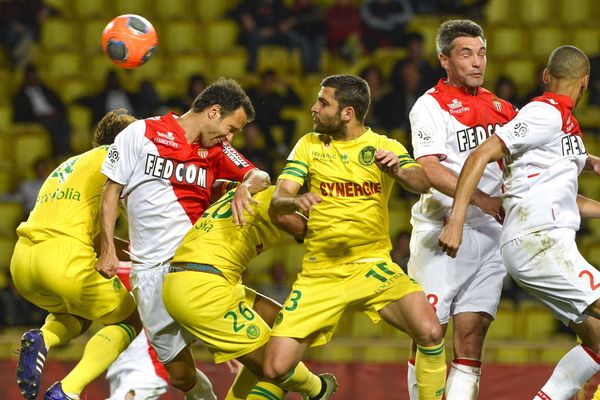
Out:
{"x": 568, "y": 62}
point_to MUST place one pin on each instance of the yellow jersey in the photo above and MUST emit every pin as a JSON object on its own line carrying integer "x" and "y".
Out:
{"x": 69, "y": 200}
{"x": 216, "y": 240}
{"x": 351, "y": 223}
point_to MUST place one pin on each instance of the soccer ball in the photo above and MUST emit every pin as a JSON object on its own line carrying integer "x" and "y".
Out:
{"x": 129, "y": 40}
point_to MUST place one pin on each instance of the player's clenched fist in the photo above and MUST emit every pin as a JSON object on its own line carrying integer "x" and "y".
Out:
{"x": 307, "y": 201}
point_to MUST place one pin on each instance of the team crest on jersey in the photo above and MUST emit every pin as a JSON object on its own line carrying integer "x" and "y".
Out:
{"x": 259, "y": 248}
{"x": 203, "y": 152}
{"x": 253, "y": 331}
{"x": 117, "y": 284}
{"x": 367, "y": 156}
{"x": 63, "y": 170}
{"x": 279, "y": 318}
{"x": 497, "y": 104}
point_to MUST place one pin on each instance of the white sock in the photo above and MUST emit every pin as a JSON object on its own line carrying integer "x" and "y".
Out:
{"x": 571, "y": 372}
{"x": 463, "y": 379}
{"x": 202, "y": 390}
{"x": 413, "y": 389}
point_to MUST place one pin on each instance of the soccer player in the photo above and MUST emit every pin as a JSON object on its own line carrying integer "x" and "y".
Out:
{"x": 136, "y": 374}
{"x": 447, "y": 123}
{"x": 542, "y": 153}
{"x": 205, "y": 294}
{"x": 53, "y": 267}
{"x": 350, "y": 171}
{"x": 164, "y": 167}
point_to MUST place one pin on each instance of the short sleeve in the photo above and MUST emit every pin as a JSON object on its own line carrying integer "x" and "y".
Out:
{"x": 296, "y": 168}
{"x": 124, "y": 153}
{"x": 404, "y": 158}
{"x": 233, "y": 166}
{"x": 428, "y": 129}
{"x": 536, "y": 124}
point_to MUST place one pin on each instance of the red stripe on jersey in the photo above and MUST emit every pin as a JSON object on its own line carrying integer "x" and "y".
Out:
{"x": 482, "y": 109}
{"x": 543, "y": 395}
{"x": 191, "y": 169}
{"x": 533, "y": 175}
{"x": 564, "y": 104}
{"x": 468, "y": 362}
{"x": 591, "y": 353}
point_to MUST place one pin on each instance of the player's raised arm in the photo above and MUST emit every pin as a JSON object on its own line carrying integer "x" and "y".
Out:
{"x": 491, "y": 150}
{"x": 404, "y": 170}
{"x": 108, "y": 262}
{"x": 254, "y": 182}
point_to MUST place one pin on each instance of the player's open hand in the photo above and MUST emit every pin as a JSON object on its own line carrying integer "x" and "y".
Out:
{"x": 107, "y": 264}
{"x": 242, "y": 200}
{"x": 451, "y": 238}
{"x": 307, "y": 201}
{"x": 387, "y": 161}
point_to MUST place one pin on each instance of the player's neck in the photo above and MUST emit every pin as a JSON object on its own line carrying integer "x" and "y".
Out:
{"x": 566, "y": 89}
{"x": 189, "y": 123}
{"x": 352, "y": 132}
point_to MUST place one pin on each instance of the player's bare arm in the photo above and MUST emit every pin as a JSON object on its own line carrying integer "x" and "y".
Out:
{"x": 445, "y": 181}
{"x": 592, "y": 164}
{"x": 491, "y": 150}
{"x": 108, "y": 262}
{"x": 254, "y": 182}
{"x": 295, "y": 224}
{"x": 412, "y": 179}
{"x": 286, "y": 199}
{"x": 588, "y": 208}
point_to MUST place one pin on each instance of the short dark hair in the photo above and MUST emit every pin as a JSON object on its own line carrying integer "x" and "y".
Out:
{"x": 110, "y": 125}
{"x": 228, "y": 94}
{"x": 350, "y": 91}
{"x": 568, "y": 62}
{"x": 452, "y": 29}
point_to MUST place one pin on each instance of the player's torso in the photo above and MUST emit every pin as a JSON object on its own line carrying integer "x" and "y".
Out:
{"x": 216, "y": 240}
{"x": 69, "y": 200}
{"x": 354, "y": 192}
{"x": 465, "y": 122}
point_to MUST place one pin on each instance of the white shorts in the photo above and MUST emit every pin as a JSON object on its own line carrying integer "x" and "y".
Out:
{"x": 166, "y": 335}
{"x": 548, "y": 265}
{"x": 471, "y": 282}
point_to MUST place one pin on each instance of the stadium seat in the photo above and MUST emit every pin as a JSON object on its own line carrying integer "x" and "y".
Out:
{"x": 29, "y": 146}
{"x": 139, "y": 7}
{"x": 507, "y": 42}
{"x": 6, "y": 116}
{"x": 12, "y": 215}
{"x": 93, "y": 9}
{"x": 512, "y": 355}
{"x": 383, "y": 354}
{"x": 231, "y": 65}
{"x": 59, "y": 34}
{"x": 153, "y": 70}
{"x": 576, "y": 12}
{"x": 399, "y": 220}
{"x": 363, "y": 327}
{"x": 538, "y": 322}
{"x": 273, "y": 57}
{"x": 7, "y": 245}
{"x": 184, "y": 66}
{"x": 589, "y": 185}
{"x": 97, "y": 69}
{"x": 537, "y": 11}
{"x": 7, "y": 178}
{"x": 587, "y": 39}
{"x": 333, "y": 352}
{"x": 211, "y": 10}
{"x": 73, "y": 88}
{"x": 80, "y": 117}
{"x": 522, "y": 71}
{"x": 91, "y": 35}
{"x": 62, "y": 65}
{"x": 499, "y": 12}
{"x": 182, "y": 37}
{"x": 220, "y": 36}
{"x": 589, "y": 117}
{"x": 172, "y": 10}
{"x": 544, "y": 39}
{"x": 428, "y": 27}
{"x": 166, "y": 88}
{"x": 503, "y": 326}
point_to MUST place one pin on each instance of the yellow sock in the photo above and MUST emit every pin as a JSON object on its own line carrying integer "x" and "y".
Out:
{"x": 60, "y": 328}
{"x": 301, "y": 380}
{"x": 241, "y": 386}
{"x": 430, "y": 368}
{"x": 100, "y": 351}
{"x": 266, "y": 391}
{"x": 597, "y": 394}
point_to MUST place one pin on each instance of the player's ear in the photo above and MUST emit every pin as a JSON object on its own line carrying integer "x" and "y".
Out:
{"x": 347, "y": 114}
{"x": 214, "y": 111}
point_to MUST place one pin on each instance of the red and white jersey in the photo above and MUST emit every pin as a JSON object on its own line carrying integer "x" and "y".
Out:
{"x": 448, "y": 122}
{"x": 167, "y": 183}
{"x": 540, "y": 175}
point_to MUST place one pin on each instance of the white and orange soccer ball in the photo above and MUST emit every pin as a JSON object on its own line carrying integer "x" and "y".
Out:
{"x": 129, "y": 40}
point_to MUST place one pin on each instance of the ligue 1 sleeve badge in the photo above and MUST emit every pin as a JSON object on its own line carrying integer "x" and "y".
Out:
{"x": 203, "y": 152}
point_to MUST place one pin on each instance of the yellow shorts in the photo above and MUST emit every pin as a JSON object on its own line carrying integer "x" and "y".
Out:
{"x": 217, "y": 312}
{"x": 320, "y": 296}
{"x": 58, "y": 275}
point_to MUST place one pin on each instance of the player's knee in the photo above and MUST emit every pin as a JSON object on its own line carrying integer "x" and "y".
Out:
{"x": 276, "y": 370}
{"x": 429, "y": 334}
{"x": 183, "y": 380}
